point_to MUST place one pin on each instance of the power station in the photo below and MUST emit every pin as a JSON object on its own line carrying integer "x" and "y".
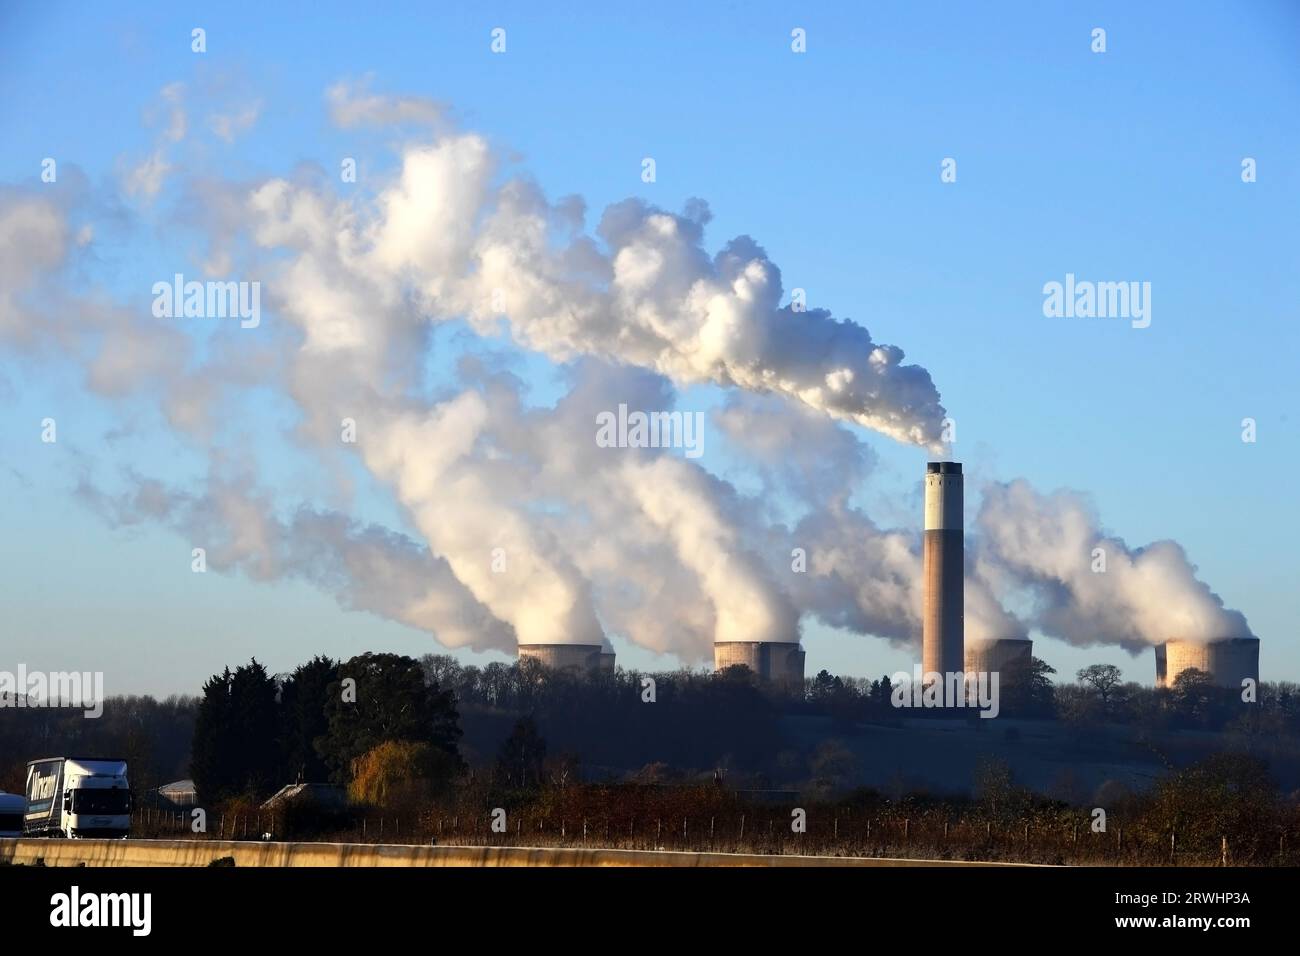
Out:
{"x": 582, "y": 657}
{"x": 942, "y": 570}
{"x": 1228, "y": 660}
{"x": 780, "y": 662}
{"x": 998, "y": 656}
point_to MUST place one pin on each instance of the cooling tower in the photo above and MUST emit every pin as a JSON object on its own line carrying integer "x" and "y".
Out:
{"x": 1228, "y": 660}
{"x": 584, "y": 657}
{"x": 998, "y": 655}
{"x": 781, "y": 663}
{"x": 943, "y": 571}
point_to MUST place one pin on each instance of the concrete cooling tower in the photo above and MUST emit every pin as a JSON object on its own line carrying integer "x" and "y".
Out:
{"x": 943, "y": 570}
{"x": 998, "y": 655}
{"x": 778, "y": 662}
{"x": 1228, "y": 660}
{"x": 583, "y": 657}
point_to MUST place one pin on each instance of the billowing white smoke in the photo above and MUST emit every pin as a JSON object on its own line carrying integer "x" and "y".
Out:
{"x": 535, "y": 533}
{"x": 367, "y": 568}
{"x": 443, "y": 237}
{"x": 860, "y": 577}
{"x": 514, "y": 565}
{"x": 679, "y": 499}
{"x": 1089, "y": 587}
{"x": 868, "y": 580}
{"x": 651, "y": 297}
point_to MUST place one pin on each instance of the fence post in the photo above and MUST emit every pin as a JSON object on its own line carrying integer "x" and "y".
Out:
{"x": 907, "y": 829}
{"x": 1173, "y": 844}
{"x": 1225, "y": 850}
{"x": 742, "y": 826}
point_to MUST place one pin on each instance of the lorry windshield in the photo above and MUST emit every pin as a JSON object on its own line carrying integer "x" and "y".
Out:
{"x": 101, "y": 802}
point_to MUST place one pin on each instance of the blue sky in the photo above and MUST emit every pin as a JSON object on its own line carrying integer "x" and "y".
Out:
{"x": 1122, "y": 165}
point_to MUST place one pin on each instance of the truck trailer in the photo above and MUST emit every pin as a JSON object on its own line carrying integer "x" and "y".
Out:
{"x": 12, "y": 808}
{"x": 77, "y": 797}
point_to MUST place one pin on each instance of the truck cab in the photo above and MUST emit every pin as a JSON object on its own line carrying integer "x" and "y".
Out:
{"x": 77, "y": 798}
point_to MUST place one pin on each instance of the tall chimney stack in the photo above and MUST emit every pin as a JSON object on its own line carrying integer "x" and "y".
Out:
{"x": 942, "y": 627}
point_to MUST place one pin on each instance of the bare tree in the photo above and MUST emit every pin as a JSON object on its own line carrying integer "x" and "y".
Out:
{"x": 1103, "y": 678}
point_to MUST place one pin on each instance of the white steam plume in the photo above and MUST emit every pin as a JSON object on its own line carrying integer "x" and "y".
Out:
{"x": 646, "y": 295}
{"x": 639, "y": 543}
{"x": 1051, "y": 546}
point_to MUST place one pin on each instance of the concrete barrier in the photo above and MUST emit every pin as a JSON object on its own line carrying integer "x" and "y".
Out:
{"x": 204, "y": 852}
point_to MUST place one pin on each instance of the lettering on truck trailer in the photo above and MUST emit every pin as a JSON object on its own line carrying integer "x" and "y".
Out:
{"x": 43, "y": 787}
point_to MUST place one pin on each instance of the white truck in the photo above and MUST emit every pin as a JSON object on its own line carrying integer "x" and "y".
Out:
{"x": 12, "y": 808}
{"x": 75, "y": 797}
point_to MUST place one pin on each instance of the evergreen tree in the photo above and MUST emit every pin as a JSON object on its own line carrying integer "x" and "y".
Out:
{"x": 303, "y": 695}
{"x": 255, "y": 721}
{"x": 234, "y": 749}
{"x": 384, "y": 697}
{"x": 210, "y": 755}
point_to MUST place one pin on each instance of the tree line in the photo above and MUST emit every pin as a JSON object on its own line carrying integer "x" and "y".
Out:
{"x": 342, "y": 722}
{"x": 384, "y": 724}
